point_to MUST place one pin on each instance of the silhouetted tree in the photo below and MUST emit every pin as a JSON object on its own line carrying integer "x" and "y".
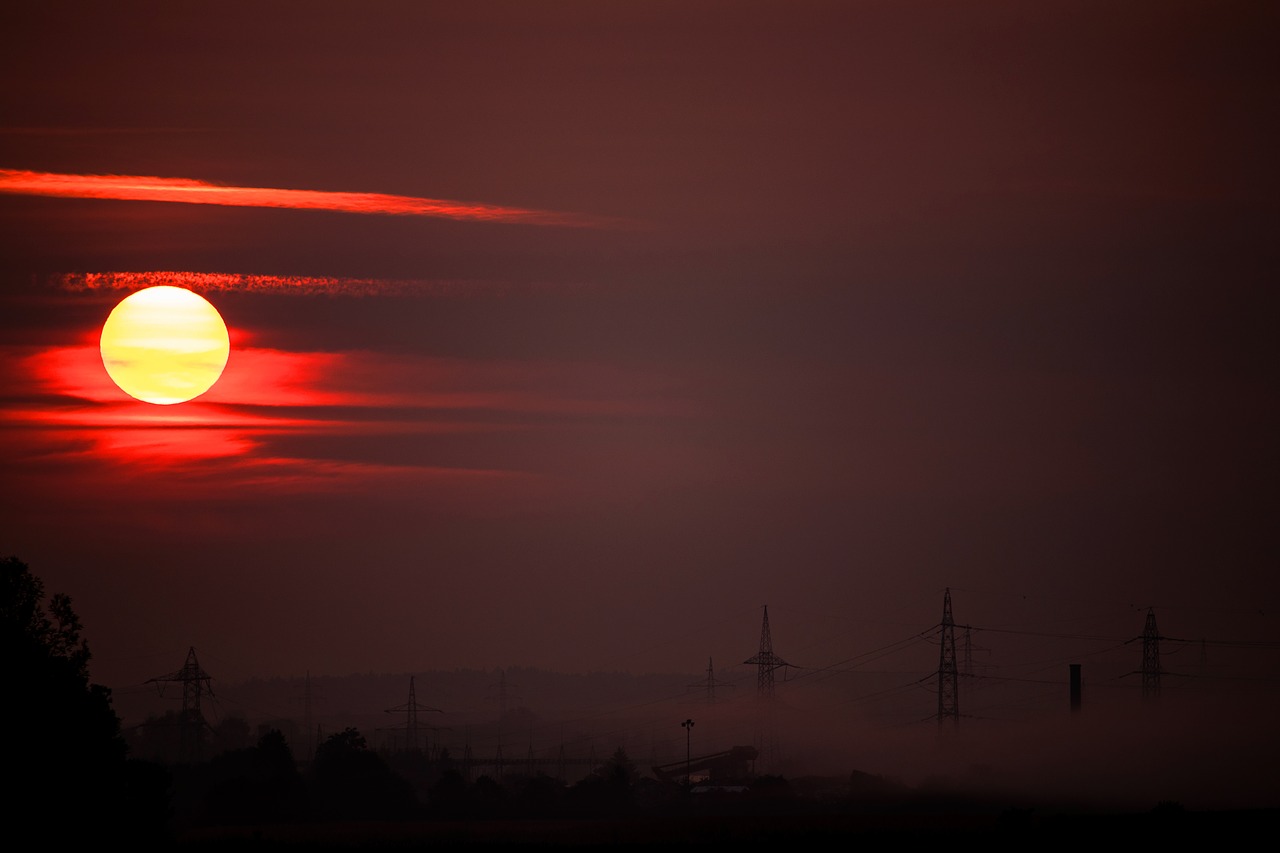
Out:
{"x": 158, "y": 738}
{"x": 256, "y": 785}
{"x": 343, "y": 743}
{"x": 414, "y": 767}
{"x": 232, "y": 733}
{"x": 65, "y": 765}
{"x": 608, "y": 789}
{"x": 489, "y": 799}
{"x": 539, "y": 795}
{"x": 770, "y": 789}
{"x": 349, "y": 781}
{"x": 148, "y": 795}
{"x": 619, "y": 770}
{"x": 448, "y": 796}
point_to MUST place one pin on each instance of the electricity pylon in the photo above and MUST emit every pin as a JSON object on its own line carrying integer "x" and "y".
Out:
{"x": 306, "y": 714}
{"x": 1150, "y": 657}
{"x": 410, "y": 710}
{"x": 504, "y": 697}
{"x": 766, "y": 662}
{"x": 710, "y": 683}
{"x": 948, "y": 676}
{"x": 192, "y": 724}
{"x": 310, "y": 726}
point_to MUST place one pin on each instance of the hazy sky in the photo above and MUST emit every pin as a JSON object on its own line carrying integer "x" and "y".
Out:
{"x": 825, "y": 306}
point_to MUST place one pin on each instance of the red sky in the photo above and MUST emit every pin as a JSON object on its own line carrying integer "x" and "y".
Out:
{"x": 833, "y": 305}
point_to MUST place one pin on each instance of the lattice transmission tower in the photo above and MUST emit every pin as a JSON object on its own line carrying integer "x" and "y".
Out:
{"x": 192, "y": 725}
{"x": 765, "y": 660}
{"x": 1150, "y": 657}
{"x": 310, "y": 748}
{"x": 766, "y": 663}
{"x": 948, "y": 674}
{"x": 710, "y": 683}
{"x": 310, "y": 739}
{"x": 412, "y": 728}
{"x": 508, "y": 702}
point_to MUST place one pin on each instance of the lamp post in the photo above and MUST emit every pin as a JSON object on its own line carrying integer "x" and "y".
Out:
{"x": 688, "y": 735}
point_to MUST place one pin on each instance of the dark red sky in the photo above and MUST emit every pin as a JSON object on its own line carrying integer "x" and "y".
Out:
{"x": 866, "y": 300}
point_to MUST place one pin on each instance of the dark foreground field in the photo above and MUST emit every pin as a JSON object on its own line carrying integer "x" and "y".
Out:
{"x": 1014, "y": 829}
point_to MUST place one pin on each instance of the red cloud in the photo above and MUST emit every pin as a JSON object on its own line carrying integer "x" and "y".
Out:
{"x": 189, "y": 191}
{"x": 65, "y": 394}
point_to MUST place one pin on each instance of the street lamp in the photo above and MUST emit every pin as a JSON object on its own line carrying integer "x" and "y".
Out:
{"x": 688, "y": 734}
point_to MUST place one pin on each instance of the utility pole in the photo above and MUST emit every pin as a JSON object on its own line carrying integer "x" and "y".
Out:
{"x": 505, "y": 698}
{"x": 688, "y": 750}
{"x": 948, "y": 677}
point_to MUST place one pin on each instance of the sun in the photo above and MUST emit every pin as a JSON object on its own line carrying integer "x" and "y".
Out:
{"x": 165, "y": 345}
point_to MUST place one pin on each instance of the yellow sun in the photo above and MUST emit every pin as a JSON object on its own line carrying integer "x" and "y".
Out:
{"x": 165, "y": 345}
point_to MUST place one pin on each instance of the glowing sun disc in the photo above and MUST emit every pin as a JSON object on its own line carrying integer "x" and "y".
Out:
{"x": 164, "y": 345}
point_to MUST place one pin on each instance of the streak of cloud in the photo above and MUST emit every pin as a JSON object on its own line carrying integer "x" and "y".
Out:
{"x": 97, "y": 131}
{"x": 190, "y": 191}
{"x": 289, "y": 407}
{"x": 278, "y": 381}
{"x": 301, "y": 285}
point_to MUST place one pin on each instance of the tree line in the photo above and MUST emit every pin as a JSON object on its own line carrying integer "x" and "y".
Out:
{"x": 69, "y": 764}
